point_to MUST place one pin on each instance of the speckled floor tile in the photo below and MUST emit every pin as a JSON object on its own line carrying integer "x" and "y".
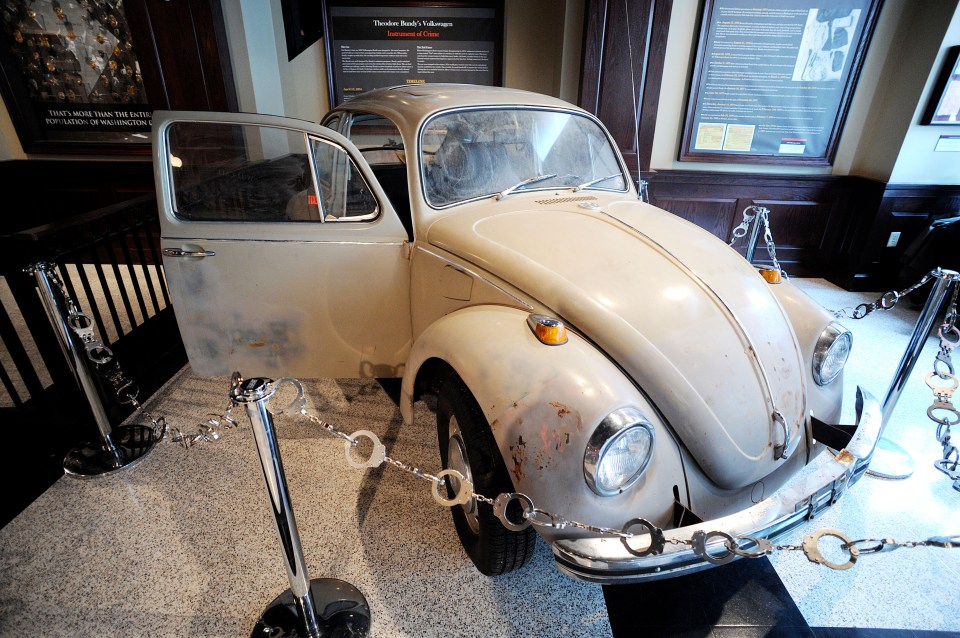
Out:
{"x": 184, "y": 542}
{"x": 921, "y": 580}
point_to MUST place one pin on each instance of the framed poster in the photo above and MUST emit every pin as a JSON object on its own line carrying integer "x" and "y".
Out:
{"x": 372, "y": 45}
{"x": 944, "y": 105}
{"x": 302, "y": 24}
{"x": 773, "y": 79}
{"x": 70, "y": 77}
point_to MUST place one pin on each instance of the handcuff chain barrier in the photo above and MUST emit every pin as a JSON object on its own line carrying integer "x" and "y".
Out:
{"x": 732, "y": 547}
{"x": 125, "y": 390}
{"x": 889, "y": 299}
{"x": 744, "y": 226}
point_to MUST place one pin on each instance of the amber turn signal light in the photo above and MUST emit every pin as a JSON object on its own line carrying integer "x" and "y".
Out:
{"x": 548, "y": 330}
{"x": 771, "y": 275}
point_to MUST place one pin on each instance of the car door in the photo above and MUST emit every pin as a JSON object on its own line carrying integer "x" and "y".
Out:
{"x": 282, "y": 253}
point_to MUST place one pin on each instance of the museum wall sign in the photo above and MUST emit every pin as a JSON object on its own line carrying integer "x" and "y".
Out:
{"x": 772, "y": 81}
{"x": 372, "y": 46}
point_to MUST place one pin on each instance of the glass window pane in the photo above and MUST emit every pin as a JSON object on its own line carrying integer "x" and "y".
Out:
{"x": 469, "y": 154}
{"x": 238, "y": 172}
{"x": 378, "y": 139}
{"x": 344, "y": 194}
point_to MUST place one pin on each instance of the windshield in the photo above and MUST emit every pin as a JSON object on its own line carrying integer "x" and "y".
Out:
{"x": 470, "y": 154}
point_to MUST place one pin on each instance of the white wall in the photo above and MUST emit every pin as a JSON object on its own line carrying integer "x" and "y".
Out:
{"x": 917, "y": 162}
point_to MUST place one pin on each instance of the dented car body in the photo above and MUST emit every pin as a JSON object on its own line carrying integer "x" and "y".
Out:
{"x": 603, "y": 357}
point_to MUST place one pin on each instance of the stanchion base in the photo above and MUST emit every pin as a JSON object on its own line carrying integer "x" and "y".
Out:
{"x": 90, "y": 459}
{"x": 890, "y": 461}
{"x": 340, "y": 607}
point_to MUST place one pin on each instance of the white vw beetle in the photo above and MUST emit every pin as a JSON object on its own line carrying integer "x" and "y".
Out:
{"x": 615, "y": 364}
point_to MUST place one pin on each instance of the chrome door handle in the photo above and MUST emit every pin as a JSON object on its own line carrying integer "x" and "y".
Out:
{"x": 176, "y": 252}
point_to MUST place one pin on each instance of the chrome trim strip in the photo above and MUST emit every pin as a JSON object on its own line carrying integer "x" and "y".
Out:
{"x": 474, "y": 274}
{"x": 745, "y": 338}
{"x": 286, "y": 241}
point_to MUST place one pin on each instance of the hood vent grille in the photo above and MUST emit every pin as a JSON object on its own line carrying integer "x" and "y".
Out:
{"x": 564, "y": 200}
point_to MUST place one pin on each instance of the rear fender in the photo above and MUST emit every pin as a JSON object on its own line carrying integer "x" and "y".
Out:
{"x": 543, "y": 403}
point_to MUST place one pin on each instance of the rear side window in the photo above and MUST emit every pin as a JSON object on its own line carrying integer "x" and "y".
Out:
{"x": 250, "y": 173}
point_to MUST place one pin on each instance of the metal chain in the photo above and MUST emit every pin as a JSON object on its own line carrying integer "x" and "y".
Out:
{"x": 768, "y": 239}
{"x": 741, "y": 230}
{"x": 942, "y": 411}
{"x": 764, "y": 218}
{"x": 125, "y": 390}
{"x": 888, "y": 300}
{"x": 704, "y": 544}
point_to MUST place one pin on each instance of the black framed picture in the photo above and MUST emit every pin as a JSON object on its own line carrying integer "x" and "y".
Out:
{"x": 302, "y": 24}
{"x": 70, "y": 77}
{"x": 944, "y": 104}
{"x": 377, "y": 44}
{"x": 773, "y": 80}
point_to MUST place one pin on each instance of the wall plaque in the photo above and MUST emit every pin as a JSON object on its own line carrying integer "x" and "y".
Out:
{"x": 772, "y": 81}
{"x": 376, "y": 45}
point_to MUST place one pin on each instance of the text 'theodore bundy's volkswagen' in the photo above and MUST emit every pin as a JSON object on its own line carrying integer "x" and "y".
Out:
{"x": 605, "y": 358}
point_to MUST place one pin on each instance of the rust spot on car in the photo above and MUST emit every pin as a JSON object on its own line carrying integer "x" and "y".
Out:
{"x": 563, "y": 411}
{"x": 258, "y": 344}
{"x": 518, "y": 453}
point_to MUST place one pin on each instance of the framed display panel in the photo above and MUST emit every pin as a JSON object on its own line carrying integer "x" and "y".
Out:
{"x": 371, "y": 45}
{"x": 773, "y": 80}
{"x": 302, "y": 25}
{"x": 944, "y": 105}
{"x": 70, "y": 77}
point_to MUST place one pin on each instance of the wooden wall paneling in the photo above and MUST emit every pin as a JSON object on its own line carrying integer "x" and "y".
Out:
{"x": 62, "y": 188}
{"x": 867, "y": 263}
{"x": 183, "y": 52}
{"x": 617, "y": 32}
{"x": 798, "y": 231}
{"x": 713, "y": 214}
{"x": 809, "y": 214}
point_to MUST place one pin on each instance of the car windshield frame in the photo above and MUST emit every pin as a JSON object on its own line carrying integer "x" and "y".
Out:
{"x": 422, "y": 165}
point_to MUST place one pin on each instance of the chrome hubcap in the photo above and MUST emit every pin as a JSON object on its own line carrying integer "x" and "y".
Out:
{"x": 457, "y": 460}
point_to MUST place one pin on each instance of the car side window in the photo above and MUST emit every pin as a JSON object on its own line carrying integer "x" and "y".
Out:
{"x": 381, "y": 144}
{"x": 345, "y": 195}
{"x": 378, "y": 139}
{"x": 249, "y": 173}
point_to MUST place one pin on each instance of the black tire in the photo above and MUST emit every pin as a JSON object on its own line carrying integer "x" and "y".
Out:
{"x": 493, "y": 548}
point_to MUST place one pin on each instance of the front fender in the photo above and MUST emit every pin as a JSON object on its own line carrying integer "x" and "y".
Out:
{"x": 543, "y": 403}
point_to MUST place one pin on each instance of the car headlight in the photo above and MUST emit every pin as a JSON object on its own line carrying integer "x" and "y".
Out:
{"x": 618, "y": 451}
{"x": 831, "y": 352}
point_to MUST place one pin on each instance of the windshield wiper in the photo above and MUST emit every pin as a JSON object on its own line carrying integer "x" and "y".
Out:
{"x": 596, "y": 181}
{"x": 526, "y": 182}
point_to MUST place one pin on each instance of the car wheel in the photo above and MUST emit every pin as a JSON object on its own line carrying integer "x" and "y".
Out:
{"x": 467, "y": 446}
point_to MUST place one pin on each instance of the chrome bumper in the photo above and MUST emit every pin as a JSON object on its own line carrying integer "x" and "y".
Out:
{"x": 815, "y": 488}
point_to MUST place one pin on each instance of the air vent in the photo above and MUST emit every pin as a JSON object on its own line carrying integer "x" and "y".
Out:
{"x": 564, "y": 200}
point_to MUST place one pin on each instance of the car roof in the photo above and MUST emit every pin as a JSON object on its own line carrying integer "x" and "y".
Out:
{"x": 414, "y": 103}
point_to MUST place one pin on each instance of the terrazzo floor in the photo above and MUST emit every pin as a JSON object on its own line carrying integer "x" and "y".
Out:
{"x": 184, "y": 543}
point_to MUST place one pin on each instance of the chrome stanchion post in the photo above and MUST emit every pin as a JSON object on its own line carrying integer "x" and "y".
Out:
{"x": 315, "y": 608}
{"x": 890, "y": 460}
{"x": 118, "y": 448}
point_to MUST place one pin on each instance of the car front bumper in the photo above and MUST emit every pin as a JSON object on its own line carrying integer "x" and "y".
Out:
{"x": 816, "y": 487}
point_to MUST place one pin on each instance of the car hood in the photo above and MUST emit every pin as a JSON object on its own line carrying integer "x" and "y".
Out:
{"x": 692, "y": 322}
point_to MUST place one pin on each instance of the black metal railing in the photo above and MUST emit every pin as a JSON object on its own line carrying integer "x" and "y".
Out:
{"x": 109, "y": 261}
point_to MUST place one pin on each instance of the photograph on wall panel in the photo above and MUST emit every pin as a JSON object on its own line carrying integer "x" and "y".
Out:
{"x": 70, "y": 76}
{"x": 773, "y": 80}
{"x": 373, "y": 45}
